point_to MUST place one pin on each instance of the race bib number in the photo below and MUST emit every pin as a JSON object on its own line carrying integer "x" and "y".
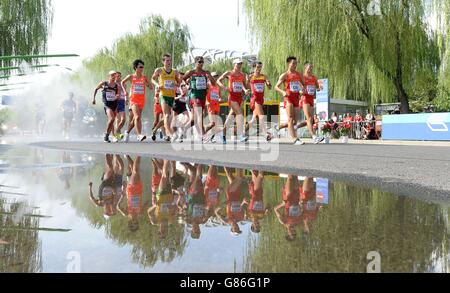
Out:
{"x": 294, "y": 211}
{"x": 139, "y": 89}
{"x": 135, "y": 201}
{"x": 295, "y": 86}
{"x": 238, "y": 87}
{"x": 235, "y": 207}
{"x": 169, "y": 85}
{"x": 213, "y": 195}
{"x": 311, "y": 89}
{"x": 260, "y": 87}
{"x": 165, "y": 208}
{"x": 215, "y": 96}
{"x": 198, "y": 211}
{"x": 311, "y": 205}
{"x": 200, "y": 83}
{"x": 111, "y": 96}
{"x": 107, "y": 193}
{"x": 258, "y": 206}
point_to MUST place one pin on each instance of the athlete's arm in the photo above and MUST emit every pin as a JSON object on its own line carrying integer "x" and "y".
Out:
{"x": 100, "y": 85}
{"x": 155, "y": 78}
{"x": 319, "y": 86}
{"x": 124, "y": 213}
{"x": 246, "y": 85}
{"x": 277, "y": 212}
{"x": 91, "y": 196}
{"x": 219, "y": 81}
{"x": 124, "y": 82}
{"x": 178, "y": 79}
{"x": 268, "y": 84}
{"x": 279, "y": 83}
{"x": 211, "y": 79}
{"x": 148, "y": 83}
{"x": 188, "y": 75}
{"x": 219, "y": 216}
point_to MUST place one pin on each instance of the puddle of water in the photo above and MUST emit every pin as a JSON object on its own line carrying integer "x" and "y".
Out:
{"x": 151, "y": 215}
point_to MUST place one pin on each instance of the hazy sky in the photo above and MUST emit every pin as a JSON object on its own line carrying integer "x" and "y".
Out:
{"x": 83, "y": 27}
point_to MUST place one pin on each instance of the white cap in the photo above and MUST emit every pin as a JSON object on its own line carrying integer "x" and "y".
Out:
{"x": 112, "y": 72}
{"x": 237, "y": 61}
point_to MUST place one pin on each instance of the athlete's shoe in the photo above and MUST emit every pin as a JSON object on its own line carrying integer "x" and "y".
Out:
{"x": 141, "y": 138}
{"x": 319, "y": 139}
{"x": 119, "y": 137}
{"x": 269, "y": 137}
{"x": 106, "y": 138}
{"x": 126, "y": 137}
{"x": 167, "y": 139}
{"x": 114, "y": 139}
{"x": 299, "y": 142}
{"x": 224, "y": 140}
{"x": 174, "y": 137}
{"x": 154, "y": 136}
{"x": 244, "y": 138}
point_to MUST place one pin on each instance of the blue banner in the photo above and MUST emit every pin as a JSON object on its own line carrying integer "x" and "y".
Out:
{"x": 431, "y": 127}
{"x": 323, "y": 101}
{"x": 322, "y": 191}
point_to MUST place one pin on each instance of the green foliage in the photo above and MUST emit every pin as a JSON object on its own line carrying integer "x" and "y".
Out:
{"x": 24, "y": 27}
{"x": 153, "y": 40}
{"x": 366, "y": 57}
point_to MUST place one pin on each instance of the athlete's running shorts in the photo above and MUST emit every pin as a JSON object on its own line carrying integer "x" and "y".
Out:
{"x": 307, "y": 100}
{"x": 166, "y": 101}
{"x": 179, "y": 107}
{"x": 254, "y": 101}
{"x": 140, "y": 102}
{"x": 157, "y": 109}
{"x": 111, "y": 106}
{"x": 199, "y": 103}
{"x": 235, "y": 100}
{"x": 292, "y": 100}
{"x": 214, "y": 108}
{"x": 121, "y": 106}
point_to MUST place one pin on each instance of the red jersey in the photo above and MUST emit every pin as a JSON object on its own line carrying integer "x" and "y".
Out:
{"x": 292, "y": 85}
{"x": 236, "y": 86}
{"x": 310, "y": 83}
{"x": 258, "y": 86}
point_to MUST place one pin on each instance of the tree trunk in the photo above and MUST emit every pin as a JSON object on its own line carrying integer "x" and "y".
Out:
{"x": 402, "y": 96}
{"x": 398, "y": 80}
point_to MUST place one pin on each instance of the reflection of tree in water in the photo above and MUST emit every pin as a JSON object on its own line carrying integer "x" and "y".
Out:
{"x": 411, "y": 236}
{"x": 22, "y": 251}
{"x": 147, "y": 247}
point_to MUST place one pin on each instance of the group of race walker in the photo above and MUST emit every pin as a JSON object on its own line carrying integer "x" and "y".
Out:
{"x": 182, "y": 100}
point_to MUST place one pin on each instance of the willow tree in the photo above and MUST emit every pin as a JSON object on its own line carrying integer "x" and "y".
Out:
{"x": 156, "y": 37}
{"x": 24, "y": 27}
{"x": 443, "y": 22}
{"x": 369, "y": 49}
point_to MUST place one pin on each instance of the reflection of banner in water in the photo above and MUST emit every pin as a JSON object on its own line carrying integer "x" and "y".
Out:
{"x": 322, "y": 186}
{"x": 323, "y": 101}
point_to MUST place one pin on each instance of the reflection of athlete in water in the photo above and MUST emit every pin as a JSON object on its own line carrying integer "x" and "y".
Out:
{"x": 41, "y": 120}
{"x": 256, "y": 210}
{"x": 163, "y": 211}
{"x": 65, "y": 174}
{"x": 235, "y": 203}
{"x": 68, "y": 108}
{"x": 110, "y": 190}
{"x": 292, "y": 210}
{"x": 134, "y": 193}
{"x": 212, "y": 190}
{"x": 309, "y": 203}
{"x": 195, "y": 200}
